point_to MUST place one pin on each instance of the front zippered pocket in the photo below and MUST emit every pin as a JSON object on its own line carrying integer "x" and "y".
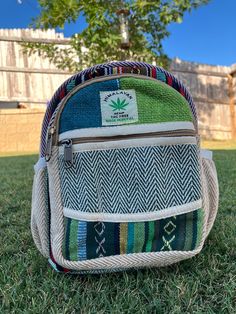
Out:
{"x": 138, "y": 175}
{"x": 69, "y": 142}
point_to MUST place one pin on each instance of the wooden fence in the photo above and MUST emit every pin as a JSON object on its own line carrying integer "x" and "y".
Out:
{"x": 32, "y": 80}
{"x": 214, "y": 92}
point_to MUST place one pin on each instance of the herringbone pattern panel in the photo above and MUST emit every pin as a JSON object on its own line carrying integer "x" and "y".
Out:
{"x": 131, "y": 180}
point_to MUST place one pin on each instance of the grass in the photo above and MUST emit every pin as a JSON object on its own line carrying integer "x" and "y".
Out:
{"x": 204, "y": 284}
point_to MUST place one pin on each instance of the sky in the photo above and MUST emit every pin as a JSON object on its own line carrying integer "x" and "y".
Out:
{"x": 206, "y": 35}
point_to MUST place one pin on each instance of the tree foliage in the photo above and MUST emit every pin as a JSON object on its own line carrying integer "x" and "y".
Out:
{"x": 100, "y": 40}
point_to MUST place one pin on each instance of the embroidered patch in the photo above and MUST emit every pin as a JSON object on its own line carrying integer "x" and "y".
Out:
{"x": 119, "y": 107}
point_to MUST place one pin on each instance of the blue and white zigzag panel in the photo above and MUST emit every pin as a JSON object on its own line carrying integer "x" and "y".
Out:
{"x": 131, "y": 180}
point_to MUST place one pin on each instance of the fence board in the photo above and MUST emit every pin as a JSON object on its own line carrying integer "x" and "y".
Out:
{"x": 32, "y": 80}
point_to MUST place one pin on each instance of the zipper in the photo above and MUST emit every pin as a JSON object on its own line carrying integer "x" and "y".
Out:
{"x": 48, "y": 152}
{"x": 52, "y": 138}
{"x": 68, "y": 143}
{"x": 68, "y": 154}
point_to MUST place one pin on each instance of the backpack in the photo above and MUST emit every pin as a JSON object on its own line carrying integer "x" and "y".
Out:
{"x": 121, "y": 182}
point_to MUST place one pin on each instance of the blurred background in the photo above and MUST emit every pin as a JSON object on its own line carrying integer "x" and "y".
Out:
{"x": 42, "y": 43}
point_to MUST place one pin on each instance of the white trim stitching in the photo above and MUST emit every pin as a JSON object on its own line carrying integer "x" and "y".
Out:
{"x": 147, "y": 216}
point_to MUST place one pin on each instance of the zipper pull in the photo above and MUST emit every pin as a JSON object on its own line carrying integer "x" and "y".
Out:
{"x": 68, "y": 155}
{"x": 48, "y": 152}
{"x": 48, "y": 149}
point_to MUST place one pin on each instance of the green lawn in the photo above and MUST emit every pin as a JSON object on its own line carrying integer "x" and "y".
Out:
{"x": 204, "y": 284}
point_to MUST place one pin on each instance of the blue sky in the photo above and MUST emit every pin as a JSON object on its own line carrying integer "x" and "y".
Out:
{"x": 207, "y": 35}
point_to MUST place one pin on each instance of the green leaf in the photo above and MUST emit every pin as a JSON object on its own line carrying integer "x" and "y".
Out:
{"x": 147, "y": 22}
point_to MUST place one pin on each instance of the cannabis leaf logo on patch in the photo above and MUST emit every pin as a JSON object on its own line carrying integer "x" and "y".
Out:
{"x": 118, "y": 105}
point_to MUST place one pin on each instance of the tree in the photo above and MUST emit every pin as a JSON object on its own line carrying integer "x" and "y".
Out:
{"x": 100, "y": 40}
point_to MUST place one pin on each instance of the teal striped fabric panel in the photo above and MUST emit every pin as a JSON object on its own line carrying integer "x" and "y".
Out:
{"x": 88, "y": 240}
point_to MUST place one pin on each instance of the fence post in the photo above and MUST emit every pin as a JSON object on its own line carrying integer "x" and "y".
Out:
{"x": 232, "y": 106}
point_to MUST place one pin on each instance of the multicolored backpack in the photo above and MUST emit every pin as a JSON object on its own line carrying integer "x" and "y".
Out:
{"x": 121, "y": 181}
